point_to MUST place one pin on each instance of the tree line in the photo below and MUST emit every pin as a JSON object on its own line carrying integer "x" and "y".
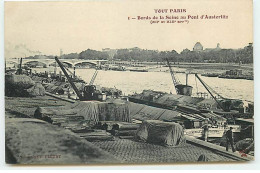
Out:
{"x": 244, "y": 55}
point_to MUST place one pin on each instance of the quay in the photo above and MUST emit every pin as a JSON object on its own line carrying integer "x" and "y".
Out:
{"x": 126, "y": 150}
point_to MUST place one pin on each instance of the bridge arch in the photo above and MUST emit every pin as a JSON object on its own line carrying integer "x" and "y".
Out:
{"x": 69, "y": 64}
{"x": 40, "y": 63}
{"x": 85, "y": 62}
{"x": 11, "y": 62}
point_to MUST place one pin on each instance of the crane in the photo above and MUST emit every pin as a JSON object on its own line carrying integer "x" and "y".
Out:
{"x": 211, "y": 91}
{"x": 180, "y": 88}
{"x": 174, "y": 79}
{"x": 69, "y": 79}
{"x": 89, "y": 93}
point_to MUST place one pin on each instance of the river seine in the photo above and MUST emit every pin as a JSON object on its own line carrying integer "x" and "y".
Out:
{"x": 130, "y": 82}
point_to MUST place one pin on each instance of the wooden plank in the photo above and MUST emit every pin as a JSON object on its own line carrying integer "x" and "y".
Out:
{"x": 60, "y": 98}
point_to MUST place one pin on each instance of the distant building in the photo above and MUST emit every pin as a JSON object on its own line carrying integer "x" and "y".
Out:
{"x": 213, "y": 49}
{"x": 61, "y": 52}
{"x": 198, "y": 47}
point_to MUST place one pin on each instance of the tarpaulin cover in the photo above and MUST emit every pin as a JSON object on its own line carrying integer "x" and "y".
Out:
{"x": 149, "y": 113}
{"x": 159, "y": 132}
{"x": 36, "y": 90}
{"x": 189, "y": 100}
{"x": 166, "y": 99}
{"x": 21, "y": 85}
{"x": 37, "y": 78}
{"x": 135, "y": 108}
{"x": 53, "y": 88}
{"x": 207, "y": 104}
{"x": 170, "y": 115}
{"x": 18, "y": 81}
{"x": 91, "y": 110}
{"x": 144, "y": 112}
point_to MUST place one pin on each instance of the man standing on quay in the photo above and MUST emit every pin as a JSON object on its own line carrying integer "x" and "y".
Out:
{"x": 229, "y": 139}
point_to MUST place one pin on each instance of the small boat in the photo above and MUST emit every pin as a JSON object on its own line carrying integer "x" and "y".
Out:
{"x": 139, "y": 70}
{"x": 210, "y": 74}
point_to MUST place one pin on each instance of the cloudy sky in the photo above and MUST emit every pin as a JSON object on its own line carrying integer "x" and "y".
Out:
{"x": 75, "y": 26}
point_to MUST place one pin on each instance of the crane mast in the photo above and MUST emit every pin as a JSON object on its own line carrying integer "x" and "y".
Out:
{"x": 174, "y": 80}
{"x": 93, "y": 78}
{"x": 207, "y": 88}
{"x": 69, "y": 79}
{"x": 180, "y": 88}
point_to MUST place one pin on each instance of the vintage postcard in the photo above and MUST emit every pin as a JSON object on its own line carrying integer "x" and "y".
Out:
{"x": 129, "y": 82}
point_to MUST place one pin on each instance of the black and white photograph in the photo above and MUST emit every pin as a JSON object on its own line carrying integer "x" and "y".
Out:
{"x": 129, "y": 82}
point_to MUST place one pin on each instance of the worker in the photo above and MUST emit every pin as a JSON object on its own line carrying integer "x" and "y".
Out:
{"x": 206, "y": 132}
{"x": 229, "y": 139}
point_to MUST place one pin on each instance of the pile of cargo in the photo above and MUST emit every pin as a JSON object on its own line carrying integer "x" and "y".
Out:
{"x": 22, "y": 86}
{"x": 85, "y": 117}
{"x": 164, "y": 100}
{"x": 92, "y": 111}
{"x": 162, "y": 133}
{"x": 125, "y": 130}
{"x": 190, "y": 117}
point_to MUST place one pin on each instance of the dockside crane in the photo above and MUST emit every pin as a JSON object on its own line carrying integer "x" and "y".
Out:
{"x": 211, "y": 91}
{"x": 69, "y": 79}
{"x": 89, "y": 92}
{"x": 180, "y": 88}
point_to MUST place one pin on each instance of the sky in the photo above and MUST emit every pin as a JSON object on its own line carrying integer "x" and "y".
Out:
{"x": 76, "y": 26}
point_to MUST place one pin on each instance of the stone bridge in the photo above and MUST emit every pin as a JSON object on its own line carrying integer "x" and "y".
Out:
{"x": 49, "y": 62}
